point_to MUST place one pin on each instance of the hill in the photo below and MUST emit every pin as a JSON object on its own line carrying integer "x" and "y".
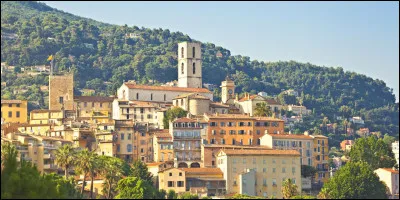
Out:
{"x": 97, "y": 53}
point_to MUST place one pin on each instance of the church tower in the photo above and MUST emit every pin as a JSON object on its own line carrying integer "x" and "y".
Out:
{"x": 189, "y": 65}
{"x": 228, "y": 89}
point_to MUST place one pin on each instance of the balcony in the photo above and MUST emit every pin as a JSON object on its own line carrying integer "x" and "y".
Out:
{"x": 50, "y": 146}
{"x": 22, "y": 148}
{"x": 187, "y": 137}
{"x": 189, "y": 159}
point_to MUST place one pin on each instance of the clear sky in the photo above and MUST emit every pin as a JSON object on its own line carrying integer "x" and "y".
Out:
{"x": 359, "y": 36}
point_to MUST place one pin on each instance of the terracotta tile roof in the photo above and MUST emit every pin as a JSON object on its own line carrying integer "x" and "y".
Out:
{"x": 290, "y": 136}
{"x": 93, "y": 99}
{"x": 261, "y": 152}
{"x": 166, "y": 88}
{"x": 184, "y": 119}
{"x": 251, "y": 97}
{"x": 141, "y": 104}
{"x": 34, "y": 125}
{"x": 192, "y": 96}
{"x": 155, "y": 164}
{"x": 11, "y": 101}
{"x": 241, "y": 116}
{"x": 202, "y": 170}
{"x": 234, "y": 146}
{"x": 391, "y": 170}
{"x": 163, "y": 135}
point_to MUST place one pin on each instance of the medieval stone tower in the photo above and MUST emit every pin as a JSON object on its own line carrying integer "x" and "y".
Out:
{"x": 228, "y": 89}
{"x": 61, "y": 92}
{"x": 189, "y": 65}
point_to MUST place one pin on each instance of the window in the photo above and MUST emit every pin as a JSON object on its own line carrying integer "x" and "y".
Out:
{"x": 258, "y": 132}
{"x": 233, "y": 141}
{"x": 254, "y": 160}
{"x": 234, "y": 160}
{"x": 18, "y": 105}
{"x": 248, "y": 123}
{"x": 250, "y": 141}
{"x": 180, "y": 173}
{"x": 92, "y": 104}
{"x": 85, "y": 104}
{"x": 274, "y": 182}
{"x": 273, "y": 170}
{"x": 283, "y": 161}
{"x": 258, "y": 141}
{"x": 182, "y": 52}
{"x": 264, "y": 182}
{"x": 264, "y": 170}
{"x": 61, "y": 100}
{"x": 165, "y": 97}
{"x": 222, "y": 132}
{"x": 122, "y": 136}
{"x": 17, "y": 114}
{"x": 194, "y": 68}
{"x": 180, "y": 184}
{"x": 213, "y": 124}
{"x": 170, "y": 174}
{"x": 101, "y": 105}
{"x": 129, "y": 147}
{"x": 265, "y": 194}
{"x": 232, "y": 132}
{"x": 10, "y": 105}
{"x": 183, "y": 68}
{"x": 222, "y": 141}
{"x": 118, "y": 148}
{"x": 294, "y": 180}
{"x": 151, "y": 96}
{"x": 222, "y": 124}
{"x": 234, "y": 170}
{"x": 129, "y": 136}
{"x": 293, "y": 170}
{"x": 137, "y": 96}
{"x": 170, "y": 183}
{"x": 273, "y": 161}
{"x": 283, "y": 170}
{"x": 9, "y": 114}
{"x": 264, "y": 162}
{"x": 244, "y": 160}
{"x": 194, "y": 52}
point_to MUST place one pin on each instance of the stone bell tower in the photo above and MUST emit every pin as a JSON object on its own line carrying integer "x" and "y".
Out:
{"x": 228, "y": 89}
{"x": 189, "y": 65}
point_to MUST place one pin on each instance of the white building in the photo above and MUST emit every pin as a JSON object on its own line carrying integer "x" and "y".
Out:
{"x": 395, "y": 149}
{"x": 391, "y": 178}
{"x": 357, "y": 120}
{"x": 263, "y": 94}
{"x": 298, "y": 110}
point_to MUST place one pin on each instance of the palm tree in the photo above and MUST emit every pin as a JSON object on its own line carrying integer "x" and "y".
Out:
{"x": 112, "y": 170}
{"x": 324, "y": 122}
{"x": 289, "y": 189}
{"x": 95, "y": 168}
{"x": 84, "y": 165}
{"x": 65, "y": 157}
{"x": 262, "y": 110}
{"x": 334, "y": 126}
{"x": 345, "y": 124}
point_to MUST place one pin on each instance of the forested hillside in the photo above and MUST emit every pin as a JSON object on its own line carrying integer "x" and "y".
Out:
{"x": 97, "y": 53}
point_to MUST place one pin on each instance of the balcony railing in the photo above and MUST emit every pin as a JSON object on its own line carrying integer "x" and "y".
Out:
{"x": 189, "y": 159}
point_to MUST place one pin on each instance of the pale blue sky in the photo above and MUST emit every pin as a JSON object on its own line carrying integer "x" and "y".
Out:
{"x": 359, "y": 36}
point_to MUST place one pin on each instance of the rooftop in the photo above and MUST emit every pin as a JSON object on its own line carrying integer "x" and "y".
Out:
{"x": 390, "y": 170}
{"x": 234, "y": 146}
{"x": 12, "y": 101}
{"x": 192, "y": 96}
{"x": 166, "y": 88}
{"x": 44, "y": 111}
{"x": 260, "y": 152}
{"x": 240, "y": 116}
{"x": 202, "y": 171}
{"x": 290, "y": 136}
{"x": 184, "y": 119}
{"x": 93, "y": 99}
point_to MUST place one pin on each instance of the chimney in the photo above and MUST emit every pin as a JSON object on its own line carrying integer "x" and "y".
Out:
{"x": 306, "y": 133}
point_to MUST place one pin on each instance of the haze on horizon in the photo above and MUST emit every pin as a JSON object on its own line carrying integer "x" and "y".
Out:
{"x": 359, "y": 36}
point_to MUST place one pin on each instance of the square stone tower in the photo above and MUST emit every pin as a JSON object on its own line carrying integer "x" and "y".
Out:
{"x": 189, "y": 65}
{"x": 61, "y": 92}
{"x": 228, "y": 89}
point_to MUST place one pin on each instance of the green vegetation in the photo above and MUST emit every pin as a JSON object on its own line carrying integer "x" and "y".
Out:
{"x": 243, "y": 196}
{"x": 308, "y": 171}
{"x": 356, "y": 180}
{"x": 188, "y": 195}
{"x": 24, "y": 181}
{"x": 172, "y": 195}
{"x": 172, "y": 114}
{"x": 373, "y": 151}
{"x": 263, "y": 110}
{"x": 303, "y": 197}
{"x": 289, "y": 189}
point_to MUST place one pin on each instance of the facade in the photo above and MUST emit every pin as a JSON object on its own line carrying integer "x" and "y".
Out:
{"x": 346, "y": 145}
{"x": 189, "y": 65}
{"x": 61, "y": 92}
{"x": 55, "y": 117}
{"x": 298, "y": 110}
{"x": 302, "y": 143}
{"x": 99, "y": 109}
{"x": 186, "y": 135}
{"x": 228, "y": 90}
{"x": 248, "y": 104}
{"x": 391, "y": 178}
{"x": 320, "y": 161}
{"x": 157, "y": 94}
{"x": 210, "y": 151}
{"x": 236, "y": 129}
{"x": 144, "y": 141}
{"x": 163, "y": 146}
{"x": 124, "y": 129}
{"x": 357, "y": 120}
{"x": 172, "y": 179}
{"x": 259, "y": 172}
{"x": 35, "y": 129}
{"x": 14, "y": 111}
{"x": 139, "y": 111}
{"x": 395, "y": 149}
{"x": 194, "y": 103}
{"x": 106, "y": 139}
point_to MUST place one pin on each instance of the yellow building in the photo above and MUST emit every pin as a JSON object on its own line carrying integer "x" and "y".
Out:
{"x": 172, "y": 179}
{"x": 39, "y": 150}
{"x": 321, "y": 157}
{"x": 35, "y": 129}
{"x": 163, "y": 146}
{"x": 14, "y": 111}
{"x": 106, "y": 139}
{"x": 124, "y": 130}
{"x": 97, "y": 109}
{"x": 46, "y": 117}
{"x": 259, "y": 172}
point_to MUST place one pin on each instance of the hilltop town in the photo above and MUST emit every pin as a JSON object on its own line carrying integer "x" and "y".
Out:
{"x": 187, "y": 141}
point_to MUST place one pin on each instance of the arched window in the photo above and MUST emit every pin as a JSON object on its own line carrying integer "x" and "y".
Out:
{"x": 194, "y": 68}
{"x": 194, "y": 52}
{"x": 137, "y": 96}
{"x": 182, "y": 53}
{"x": 182, "y": 68}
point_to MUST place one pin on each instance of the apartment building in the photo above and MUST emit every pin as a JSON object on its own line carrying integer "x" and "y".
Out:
{"x": 210, "y": 151}
{"x": 97, "y": 109}
{"x": 186, "y": 135}
{"x": 14, "y": 111}
{"x": 124, "y": 130}
{"x": 144, "y": 140}
{"x": 259, "y": 172}
{"x": 163, "y": 146}
{"x": 55, "y": 117}
{"x": 106, "y": 139}
{"x": 237, "y": 129}
{"x": 391, "y": 178}
{"x": 138, "y": 111}
{"x": 321, "y": 157}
